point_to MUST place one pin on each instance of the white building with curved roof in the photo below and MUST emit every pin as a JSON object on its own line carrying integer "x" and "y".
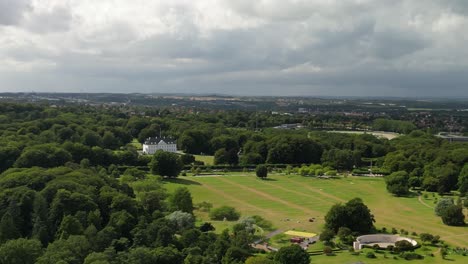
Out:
{"x": 382, "y": 240}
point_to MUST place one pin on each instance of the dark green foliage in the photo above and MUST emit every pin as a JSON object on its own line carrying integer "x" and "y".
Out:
{"x": 440, "y": 178}
{"x": 345, "y": 235}
{"x": 426, "y": 237}
{"x": 327, "y": 235}
{"x": 46, "y": 156}
{"x": 166, "y": 164}
{"x": 411, "y": 255}
{"x": 235, "y": 255}
{"x": 8, "y": 156}
{"x": 137, "y": 224}
{"x": 292, "y": 254}
{"x": 463, "y": 181}
{"x": 393, "y": 125}
{"x": 91, "y": 139}
{"x": 195, "y": 142}
{"x": 69, "y": 226}
{"x": 167, "y": 255}
{"x": 342, "y": 159}
{"x": 206, "y": 227}
{"x": 403, "y": 245}
{"x": 70, "y": 202}
{"x": 443, "y": 204}
{"x": 187, "y": 159}
{"x": 223, "y": 156}
{"x": 181, "y": 200}
{"x": 354, "y": 215}
{"x": 398, "y": 183}
{"x": 72, "y": 250}
{"x": 327, "y": 251}
{"x": 109, "y": 141}
{"x": 293, "y": 149}
{"x": 8, "y": 229}
{"x": 453, "y": 216}
{"x": 222, "y": 212}
{"x": 261, "y": 171}
{"x": 259, "y": 260}
{"x": 20, "y": 251}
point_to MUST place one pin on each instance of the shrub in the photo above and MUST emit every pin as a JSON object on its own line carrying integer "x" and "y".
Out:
{"x": 403, "y": 245}
{"x": 411, "y": 255}
{"x": 328, "y": 251}
{"x": 224, "y": 212}
{"x": 261, "y": 171}
{"x": 370, "y": 255}
{"x": 204, "y": 206}
{"x": 262, "y": 222}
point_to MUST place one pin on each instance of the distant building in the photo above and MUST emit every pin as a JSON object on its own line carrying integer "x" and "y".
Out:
{"x": 452, "y": 137}
{"x": 153, "y": 144}
{"x": 289, "y": 126}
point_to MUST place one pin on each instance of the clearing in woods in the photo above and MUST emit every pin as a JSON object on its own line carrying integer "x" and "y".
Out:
{"x": 289, "y": 201}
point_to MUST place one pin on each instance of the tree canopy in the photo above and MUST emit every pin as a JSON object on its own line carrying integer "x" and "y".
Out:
{"x": 354, "y": 215}
{"x": 166, "y": 164}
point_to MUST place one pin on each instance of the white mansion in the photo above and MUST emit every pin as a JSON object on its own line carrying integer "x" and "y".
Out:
{"x": 152, "y": 144}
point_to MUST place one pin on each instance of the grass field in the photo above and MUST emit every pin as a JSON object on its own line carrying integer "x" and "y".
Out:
{"x": 381, "y": 134}
{"x": 297, "y": 198}
{"x": 208, "y": 160}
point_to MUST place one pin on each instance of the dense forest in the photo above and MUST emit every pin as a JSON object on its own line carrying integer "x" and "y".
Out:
{"x": 63, "y": 199}
{"x": 40, "y": 135}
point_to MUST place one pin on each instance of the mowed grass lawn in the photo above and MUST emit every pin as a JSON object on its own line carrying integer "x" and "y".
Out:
{"x": 208, "y": 160}
{"x": 290, "y": 200}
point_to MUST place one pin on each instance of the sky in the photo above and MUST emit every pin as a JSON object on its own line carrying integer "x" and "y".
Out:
{"x": 401, "y": 48}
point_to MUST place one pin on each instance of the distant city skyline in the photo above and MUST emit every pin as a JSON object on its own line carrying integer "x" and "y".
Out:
{"x": 399, "y": 48}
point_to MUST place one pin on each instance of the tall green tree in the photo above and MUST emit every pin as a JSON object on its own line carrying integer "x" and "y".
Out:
{"x": 166, "y": 164}
{"x": 292, "y": 254}
{"x": 181, "y": 200}
{"x": 354, "y": 215}
{"x": 453, "y": 216}
{"x": 463, "y": 181}
{"x": 8, "y": 229}
{"x": 20, "y": 251}
{"x": 398, "y": 183}
{"x": 39, "y": 218}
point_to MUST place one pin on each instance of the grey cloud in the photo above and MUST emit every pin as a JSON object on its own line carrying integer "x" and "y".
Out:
{"x": 57, "y": 19}
{"x": 12, "y": 11}
{"x": 394, "y": 44}
{"x": 299, "y": 48}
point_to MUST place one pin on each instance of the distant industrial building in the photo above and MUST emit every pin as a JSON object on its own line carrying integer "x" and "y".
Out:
{"x": 453, "y": 137}
{"x": 153, "y": 144}
{"x": 289, "y": 126}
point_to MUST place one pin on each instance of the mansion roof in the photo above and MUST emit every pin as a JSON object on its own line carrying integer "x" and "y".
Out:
{"x": 157, "y": 140}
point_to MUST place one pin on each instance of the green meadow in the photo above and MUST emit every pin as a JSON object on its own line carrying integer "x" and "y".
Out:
{"x": 289, "y": 201}
{"x": 208, "y": 160}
